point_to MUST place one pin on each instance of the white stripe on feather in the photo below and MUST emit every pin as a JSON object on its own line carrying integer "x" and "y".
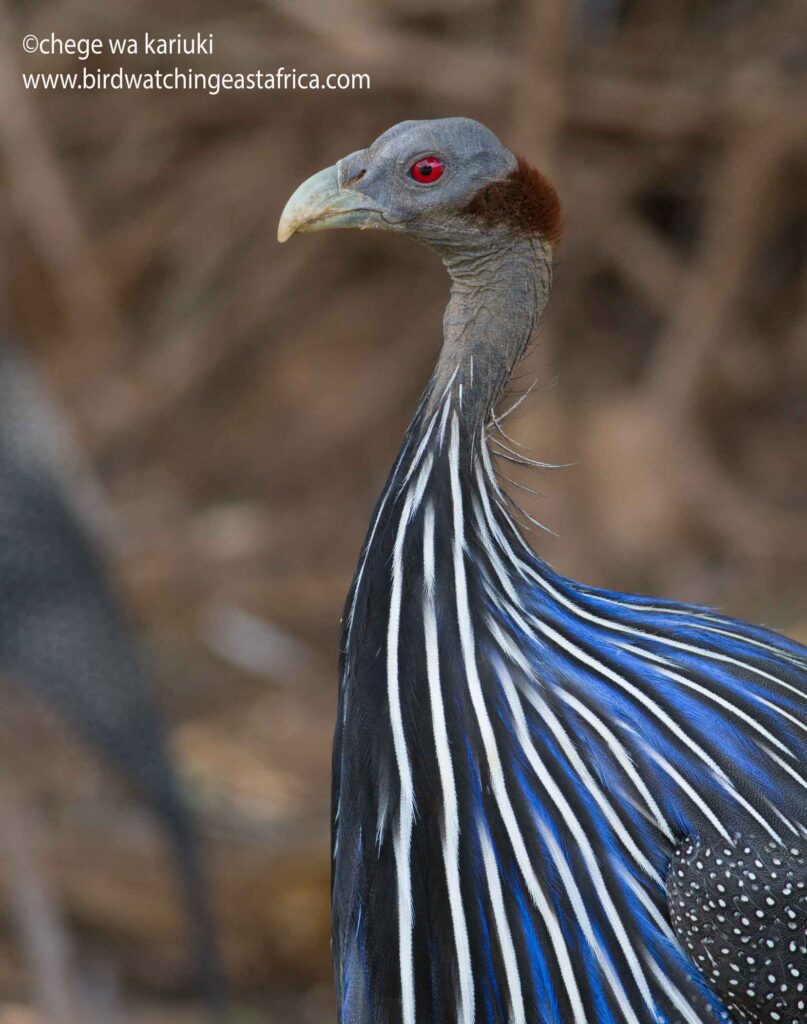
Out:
{"x": 620, "y": 627}
{"x": 585, "y": 776}
{"x": 549, "y": 717}
{"x": 718, "y": 772}
{"x": 406, "y": 812}
{"x": 547, "y": 630}
{"x": 623, "y": 757}
{"x": 524, "y": 568}
{"x": 579, "y": 907}
{"x": 418, "y": 454}
{"x": 497, "y": 780}
{"x": 598, "y": 882}
{"x": 444, "y": 419}
{"x": 693, "y": 795}
{"x": 716, "y": 698}
{"x": 517, "y": 1014}
{"x": 791, "y": 826}
{"x": 451, "y": 825}
{"x": 674, "y": 994}
{"x": 787, "y": 768}
{"x": 657, "y": 711}
{"x": 639, "y": 892}
{"x": 702, "y": 618}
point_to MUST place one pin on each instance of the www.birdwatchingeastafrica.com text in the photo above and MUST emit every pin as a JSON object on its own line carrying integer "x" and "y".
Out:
{"x": 177, "y": 79}
{"x": 169, "y": 79}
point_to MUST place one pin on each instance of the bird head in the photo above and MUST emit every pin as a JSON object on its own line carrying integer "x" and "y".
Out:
{"x": 441, "y": 181}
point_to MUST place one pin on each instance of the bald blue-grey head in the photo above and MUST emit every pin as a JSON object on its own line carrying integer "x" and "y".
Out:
{"x": 438, "y": 181}
{"x": 493, "y": 218}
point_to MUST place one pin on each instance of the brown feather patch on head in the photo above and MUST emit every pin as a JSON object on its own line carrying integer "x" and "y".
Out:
{"x": 525, "y": 201}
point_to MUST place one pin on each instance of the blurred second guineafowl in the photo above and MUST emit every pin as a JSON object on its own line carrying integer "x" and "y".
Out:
{"x": 63, "y": 639}
{"x": 552, "y": 804}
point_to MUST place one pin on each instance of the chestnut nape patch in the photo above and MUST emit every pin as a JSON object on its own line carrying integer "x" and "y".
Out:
{"x": 525, "y": 201}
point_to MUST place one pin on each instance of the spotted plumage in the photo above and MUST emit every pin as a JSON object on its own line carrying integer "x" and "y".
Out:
{"x": 740, "y": 910}
{"x": 63, "y": 640}
{"x": 527, "y": 771}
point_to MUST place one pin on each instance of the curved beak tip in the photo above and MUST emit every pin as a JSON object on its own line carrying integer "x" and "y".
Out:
{"x": 319, "y": 203}
{"x": 285, "y": 230}
{"x": 309, "y": 203}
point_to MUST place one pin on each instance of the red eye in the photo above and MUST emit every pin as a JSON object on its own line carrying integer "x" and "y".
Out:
{"x": 427, "y": 170}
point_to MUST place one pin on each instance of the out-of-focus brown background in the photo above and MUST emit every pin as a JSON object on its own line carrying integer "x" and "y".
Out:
{"x": 239, "y": 402}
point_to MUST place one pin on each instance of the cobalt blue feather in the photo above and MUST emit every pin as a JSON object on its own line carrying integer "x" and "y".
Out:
{"x": 560, "y": 747}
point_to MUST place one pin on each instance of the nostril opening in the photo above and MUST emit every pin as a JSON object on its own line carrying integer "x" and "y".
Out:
{"x": 356, "y": 177}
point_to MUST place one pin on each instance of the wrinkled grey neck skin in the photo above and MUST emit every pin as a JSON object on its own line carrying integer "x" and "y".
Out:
{"x": 499, "y": 287}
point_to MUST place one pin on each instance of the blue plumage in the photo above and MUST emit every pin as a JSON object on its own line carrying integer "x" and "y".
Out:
{"x": 549, "y": 800}
{"x": 619, "y": 725}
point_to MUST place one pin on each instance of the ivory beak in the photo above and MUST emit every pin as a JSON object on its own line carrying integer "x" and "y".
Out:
{"x": 320, "y": 203}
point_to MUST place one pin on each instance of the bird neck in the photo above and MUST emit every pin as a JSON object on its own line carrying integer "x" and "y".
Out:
{"x": 499, "y": 288}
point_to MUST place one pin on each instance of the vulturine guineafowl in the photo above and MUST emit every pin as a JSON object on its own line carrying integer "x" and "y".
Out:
{"x": 64, "y": 641}
{"x": 551, "y": 803}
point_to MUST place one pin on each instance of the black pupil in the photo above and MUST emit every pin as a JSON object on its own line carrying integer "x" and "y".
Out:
{"x": 426, "y": 168}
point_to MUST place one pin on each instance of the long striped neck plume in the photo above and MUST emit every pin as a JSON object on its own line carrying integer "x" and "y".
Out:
{"x": 517, "y": 756}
